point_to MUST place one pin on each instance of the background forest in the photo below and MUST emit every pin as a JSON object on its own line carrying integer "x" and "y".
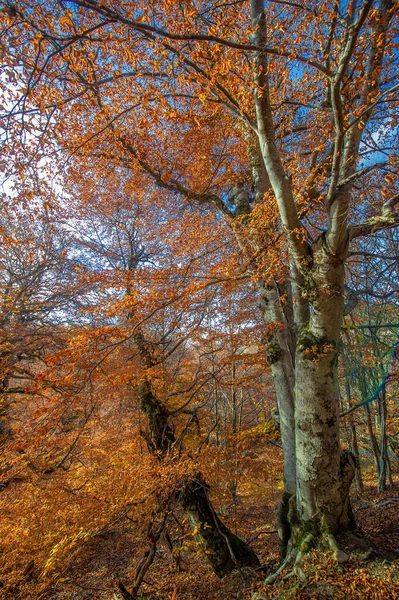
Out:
{"x": 199, "y": 331}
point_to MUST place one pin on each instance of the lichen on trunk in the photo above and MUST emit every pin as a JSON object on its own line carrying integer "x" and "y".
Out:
{"x": 320, "y": 508}
{"x": 160, "y": 437}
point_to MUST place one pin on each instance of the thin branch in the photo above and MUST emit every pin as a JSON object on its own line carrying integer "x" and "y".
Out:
{"x": 113, "y": 16}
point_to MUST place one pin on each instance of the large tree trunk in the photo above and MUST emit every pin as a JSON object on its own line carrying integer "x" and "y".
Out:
{"x": 321, "y": 507}
{"x": 317, "y": 432}
{"x": 323, "y": 474}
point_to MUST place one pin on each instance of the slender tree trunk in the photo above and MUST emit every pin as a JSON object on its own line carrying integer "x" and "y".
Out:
{"x": 354, "y": 448}
{"x": 280, "y": 356}
{"x": 280, "y": 318}
{"x": 353, "y": 444}
{"x": 383, "y": 466}
{"x": 390, "y": 480}
{"x": 234, "y": 411}
{"x": 4, "y": 428}
{"x": 373, "y": 440}
{"x": 155, "y": 529}
{"x": 280, "y": 348}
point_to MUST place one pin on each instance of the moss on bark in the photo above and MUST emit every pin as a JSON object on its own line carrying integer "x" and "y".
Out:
{"x": 283, "y": 524}
{"x": 224, "y": 550}
{"x": 312, "y": 346}
{"x": 161, "y": 435}
{"x": 318, "y": 531}
{"x": 273, "y": 353}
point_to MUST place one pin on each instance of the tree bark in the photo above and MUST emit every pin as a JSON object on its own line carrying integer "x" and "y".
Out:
{"x": 280, "y": 349}
{"x": 223, "y": 550}
{"x": 354, "y": 447}
{"x": 320, "y": 493}
{"x": 353, "y": 444}
{"x": 318, "y": 278}
{"x": 373, "y": 439}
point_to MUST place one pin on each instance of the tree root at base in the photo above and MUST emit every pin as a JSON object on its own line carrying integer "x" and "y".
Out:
{"x": 288, "y": 561}
{"x": 296, "y": 556}
{"x": 339, "y": 555}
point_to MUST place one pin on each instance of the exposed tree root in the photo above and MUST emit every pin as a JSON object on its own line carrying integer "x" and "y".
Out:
{"x": 296, "y": 556}
{"x": 305, "y": 536}
{"x": 339, "y": 555}
{"x": 298, "y": 536}
{"x": 288, "y": 561}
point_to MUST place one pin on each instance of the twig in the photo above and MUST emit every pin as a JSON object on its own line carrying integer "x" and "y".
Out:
{"x": 261, "y": 533}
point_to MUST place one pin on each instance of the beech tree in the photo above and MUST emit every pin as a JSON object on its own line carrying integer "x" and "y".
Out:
{"x": 281, "y": 118}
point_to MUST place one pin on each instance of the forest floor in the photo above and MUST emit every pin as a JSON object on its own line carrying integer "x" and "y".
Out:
{"x": 372, "y": 573}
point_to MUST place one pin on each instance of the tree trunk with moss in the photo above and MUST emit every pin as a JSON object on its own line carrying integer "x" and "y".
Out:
{"x": 280, "y": 354}
{"x": 323, "y": 478}
{"x": 324, "y": 474}
{"x": 223, "y": 550}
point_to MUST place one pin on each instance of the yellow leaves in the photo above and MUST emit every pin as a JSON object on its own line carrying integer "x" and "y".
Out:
{"x": 66, "y": 544}
{"x": 389, "y": 178}
{"x": 347, "y": 326}
{"x": 202, "y": 95}
{"x": 65, "y": 20}
{"x": 317, "y": 351}
{"x": 143, "y": 19}
{"x": 196, "y": 529}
